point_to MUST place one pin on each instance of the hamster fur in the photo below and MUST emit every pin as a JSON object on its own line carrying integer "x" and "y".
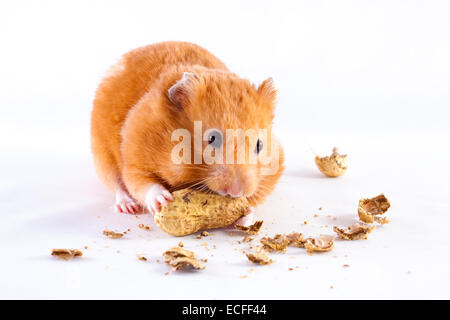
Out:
{"x": 151, "y": 92}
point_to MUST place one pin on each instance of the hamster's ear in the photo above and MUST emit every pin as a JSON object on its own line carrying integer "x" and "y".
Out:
{"x": 267, "y": 90}
{"x": 181, "y": 91}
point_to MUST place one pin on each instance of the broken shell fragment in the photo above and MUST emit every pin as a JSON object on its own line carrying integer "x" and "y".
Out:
{"x": 368, "y": 208}
{"x": 179, "y": 258}
{"x": 253, "y": 229}
{"x": 295, "y": 239}
{"x": 356, "y": 231}
{"x": 334, "y": 165}
{"x": 321, "y": 244}
{"x": 381, "y": 220}
{"x": 259, "y": 256}
{"x": 278, "y": 243}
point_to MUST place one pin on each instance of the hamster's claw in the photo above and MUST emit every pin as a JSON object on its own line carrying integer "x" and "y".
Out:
{"x": 125, "y": 204}
{"x": 157, "y": 197}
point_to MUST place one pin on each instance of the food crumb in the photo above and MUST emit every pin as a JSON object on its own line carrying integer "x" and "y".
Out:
{"x": 180, "y": 244}
{"x": 202, "y": 234}
{"x": 244, "y": 277}
{"x": 112, "y": 234}
{"x": 66, "y": 254}
{"x": 346, "y": 265}
{"x": 143, "y": 226}
{"x": 141, "y": 257}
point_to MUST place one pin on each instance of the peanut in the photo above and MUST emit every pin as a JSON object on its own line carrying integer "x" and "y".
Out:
{"x": 192, "y": 211}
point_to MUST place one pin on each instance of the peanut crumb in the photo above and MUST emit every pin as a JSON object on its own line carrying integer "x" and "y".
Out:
{"x": 66, "y": 254}
{"x": 141, "y": 257}
{"x": 112, "y": 234}
{"x": 143, "y": 226}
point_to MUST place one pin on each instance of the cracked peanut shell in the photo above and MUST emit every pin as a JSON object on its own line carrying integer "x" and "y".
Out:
{"x": 334, "y": 165}
{"x": 67, "y": 254}
{"x": 368, "y": 209}
{"x": 192, "y": 211}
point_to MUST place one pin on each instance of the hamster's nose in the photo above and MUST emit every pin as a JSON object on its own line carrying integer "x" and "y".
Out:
{"x": 234, "y": 189}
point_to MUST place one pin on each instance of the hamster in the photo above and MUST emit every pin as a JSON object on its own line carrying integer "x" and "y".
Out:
{"x": 153, "y": 91}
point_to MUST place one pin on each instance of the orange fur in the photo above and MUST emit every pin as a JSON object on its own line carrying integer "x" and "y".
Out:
{"x": 133, "y": 119}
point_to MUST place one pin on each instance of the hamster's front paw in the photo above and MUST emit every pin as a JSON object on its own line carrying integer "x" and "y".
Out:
{"x": 125, "y": 203}
{"x": 156, "y": 197}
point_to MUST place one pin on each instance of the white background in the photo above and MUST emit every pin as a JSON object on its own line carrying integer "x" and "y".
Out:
{"x": 372, "y": 77}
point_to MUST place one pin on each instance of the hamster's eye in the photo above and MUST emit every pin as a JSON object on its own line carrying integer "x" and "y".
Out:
{"x": 215, "y": 138}
{"x": 259, "y": 146}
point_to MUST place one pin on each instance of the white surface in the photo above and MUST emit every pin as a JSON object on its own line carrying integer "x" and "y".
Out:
{"x": 370, "y": 78}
